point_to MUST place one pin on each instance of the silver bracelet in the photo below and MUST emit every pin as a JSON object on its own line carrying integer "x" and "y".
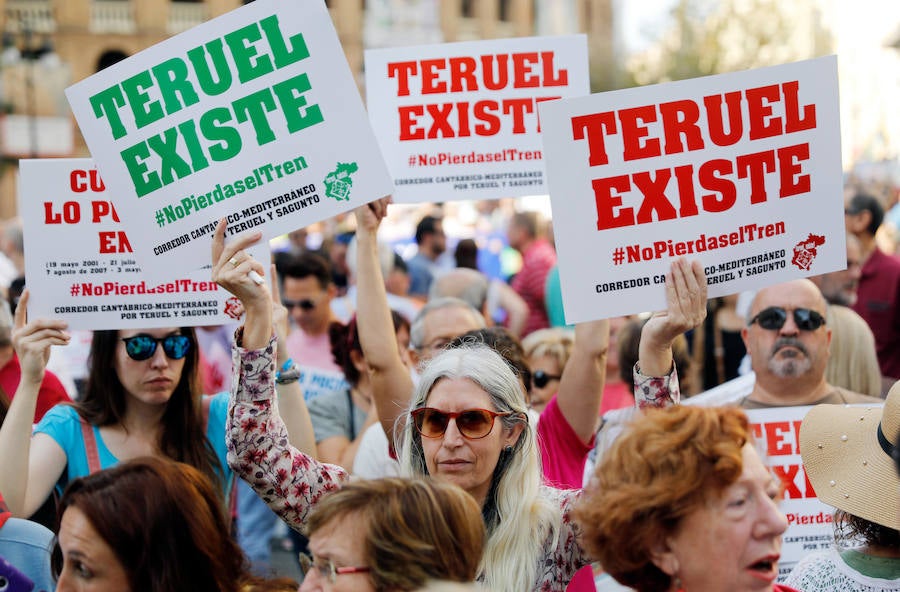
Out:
{"x": 288, "y": 376}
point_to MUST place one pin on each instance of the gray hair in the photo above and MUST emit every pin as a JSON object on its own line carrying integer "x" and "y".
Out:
{"x": 466, "y": 284}
{"x": 517, "y": 518}
{"x": 417, "y": 330}
{"x": 12, "y": 232}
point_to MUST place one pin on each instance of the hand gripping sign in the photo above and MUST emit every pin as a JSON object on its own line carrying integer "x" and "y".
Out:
{"x": 253, "y": 116}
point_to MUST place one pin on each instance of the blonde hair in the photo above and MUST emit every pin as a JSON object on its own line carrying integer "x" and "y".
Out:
{"x": 517, "y": 517}
{"x": 852, "y": 361}
{"x": 555, "y": 342}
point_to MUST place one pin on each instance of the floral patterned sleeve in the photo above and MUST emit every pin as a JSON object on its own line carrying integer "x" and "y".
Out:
{"x": 290, "y": 482}
{"x": 564, "y": 555}
{"x": 656, "y": 391}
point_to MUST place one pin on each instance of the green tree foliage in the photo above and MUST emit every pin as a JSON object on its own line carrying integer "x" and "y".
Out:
{"x": 715, "y": 36}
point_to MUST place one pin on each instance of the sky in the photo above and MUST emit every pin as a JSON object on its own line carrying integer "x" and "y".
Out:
{"x": 639, "y": 18}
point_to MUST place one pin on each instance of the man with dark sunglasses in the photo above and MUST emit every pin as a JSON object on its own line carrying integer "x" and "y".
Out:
{"x": 307, "y": 291}
{"x": 787, "y": 339}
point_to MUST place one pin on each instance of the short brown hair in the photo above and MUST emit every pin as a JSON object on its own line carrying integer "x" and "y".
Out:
{"x": 166, "y": 524}
{"x": 659, "y": 471}
{"x": 418, "y": 529}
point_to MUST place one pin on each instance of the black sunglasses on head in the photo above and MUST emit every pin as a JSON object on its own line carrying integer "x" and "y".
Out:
{"x": 774, "y": 318}
{"x": 541, "y": 379}
{"x": 142, "y": 347}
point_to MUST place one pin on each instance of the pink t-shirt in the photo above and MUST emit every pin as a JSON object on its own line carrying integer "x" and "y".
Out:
{"x": 311, "y": 350}
{"x": 616, "y": 396}
{"x": 562, "y": 451}
{"x": 529, "y": 283}
{"x": 319, "y": 374}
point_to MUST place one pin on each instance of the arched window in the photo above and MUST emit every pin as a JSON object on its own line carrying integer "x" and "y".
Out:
{"x": 110, "y": 57}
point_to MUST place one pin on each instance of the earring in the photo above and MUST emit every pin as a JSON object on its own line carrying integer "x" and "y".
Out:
{"x": 679, "y": 587}
{"x": 507, "y": 449}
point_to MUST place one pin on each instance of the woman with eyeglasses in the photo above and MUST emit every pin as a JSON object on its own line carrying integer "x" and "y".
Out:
{"x": 392, "y": 534}
{"x": 466, "y": 422}
{"x": 142, "y": 398}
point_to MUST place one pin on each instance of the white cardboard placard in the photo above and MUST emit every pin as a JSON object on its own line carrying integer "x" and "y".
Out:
{"x": 810, "y": 526}
{"x": 741, "y": 171}
{"x": 253, "y": 116}
{"x": 80, "y": 265}
{"x": 460, "y": 120}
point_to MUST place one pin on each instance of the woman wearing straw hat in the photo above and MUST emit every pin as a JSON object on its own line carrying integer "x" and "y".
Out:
{"x": 847, "y": 452}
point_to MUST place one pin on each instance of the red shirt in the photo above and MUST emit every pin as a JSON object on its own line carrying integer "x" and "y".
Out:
{"x": 51, "y": 392}
{"x": 879, "y": 305}
{"x": 615, "y": 396}
{"x": 537, "y": 260}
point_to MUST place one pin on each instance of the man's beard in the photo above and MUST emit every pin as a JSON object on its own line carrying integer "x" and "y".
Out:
{"x": 845, "y": 297}
{"x": 792, "y": 366}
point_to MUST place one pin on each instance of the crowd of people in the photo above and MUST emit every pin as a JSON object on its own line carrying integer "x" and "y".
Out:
{"x": 422, "y": 425}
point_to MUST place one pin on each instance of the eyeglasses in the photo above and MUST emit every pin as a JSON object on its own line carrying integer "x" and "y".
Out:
{"x": 326, "y": 568}
{"x": 306, "y": 304}
{"x": 436, "y": 345}
{"x": 774, "y": 318}
{"x": 540, "y": 379}
{"x": 142, "y": 347}
{"x": 471, "y": 423}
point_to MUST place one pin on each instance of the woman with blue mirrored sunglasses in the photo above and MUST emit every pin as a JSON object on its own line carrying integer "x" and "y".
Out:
{"x": 142, "y": 346}
{"x": 141, "y": 399}
{"x": 135, "y": 403}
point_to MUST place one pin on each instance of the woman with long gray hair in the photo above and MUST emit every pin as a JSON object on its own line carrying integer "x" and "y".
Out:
{"x": 466, "y": 423}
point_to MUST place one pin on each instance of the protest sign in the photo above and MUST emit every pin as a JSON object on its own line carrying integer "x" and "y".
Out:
{"x": 253, "y": 116}
{"x": 80, "y": 264}
{"x": 460, "y": 120}
{"x": 777, "y": 433}
{"x": 741, "y": 171}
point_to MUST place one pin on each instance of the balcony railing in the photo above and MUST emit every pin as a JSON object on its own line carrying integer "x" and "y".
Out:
{"x": 185, "y": 15}
{"x": 34, "y": 15}
{"x": 112, "y": 16}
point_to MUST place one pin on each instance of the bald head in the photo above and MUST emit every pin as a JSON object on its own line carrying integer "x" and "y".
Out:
{"x": 789, "y": 359}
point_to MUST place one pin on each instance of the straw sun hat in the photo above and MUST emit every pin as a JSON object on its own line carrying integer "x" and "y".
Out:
{"x": 847, "y": 454}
